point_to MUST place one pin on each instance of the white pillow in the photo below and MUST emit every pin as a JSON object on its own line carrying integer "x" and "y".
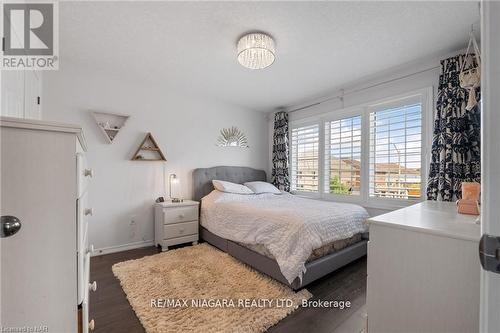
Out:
{"x": 229, "y": 187}
{"x": 262, "y": 187}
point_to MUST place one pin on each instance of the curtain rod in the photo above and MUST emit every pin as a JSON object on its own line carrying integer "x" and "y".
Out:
{"x": 341, "y": 96}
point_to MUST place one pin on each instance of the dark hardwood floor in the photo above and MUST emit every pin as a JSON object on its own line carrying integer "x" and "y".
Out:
{"x": 112, "y": 313}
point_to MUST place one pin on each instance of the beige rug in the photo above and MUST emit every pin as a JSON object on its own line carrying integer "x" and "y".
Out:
{"x": 201, "y": 289}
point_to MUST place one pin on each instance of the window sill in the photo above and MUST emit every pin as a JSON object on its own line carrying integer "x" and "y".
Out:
{"x": 307, "y": 195}
{"x": 390, "y": 204}
{"x": 387, "y": 204}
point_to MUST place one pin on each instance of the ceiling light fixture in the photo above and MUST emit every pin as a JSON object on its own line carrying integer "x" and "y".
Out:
{"x": 256, "y": 51}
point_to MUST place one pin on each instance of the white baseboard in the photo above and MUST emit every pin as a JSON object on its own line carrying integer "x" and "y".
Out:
{"x": 124, "y": 247}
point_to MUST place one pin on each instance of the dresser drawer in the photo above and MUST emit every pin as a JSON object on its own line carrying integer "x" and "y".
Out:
{"x": 180, "y": 214}
{"x": 83, "y": 273}
{"x": 180, "y": 229}
{"x": 83, "y": 174}
{"x": 87, "y": 323}
{"x": 84, "y": 212}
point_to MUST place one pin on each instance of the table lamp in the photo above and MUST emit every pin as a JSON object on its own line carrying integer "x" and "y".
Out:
{"x": 172, "y": 180}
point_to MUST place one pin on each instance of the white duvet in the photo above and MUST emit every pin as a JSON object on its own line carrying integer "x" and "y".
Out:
{"x": 289, "y": 227}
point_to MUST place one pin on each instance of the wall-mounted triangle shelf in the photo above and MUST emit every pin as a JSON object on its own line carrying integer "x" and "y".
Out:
{"x": 148, "y": 150}
{"x": 109, "y": 123}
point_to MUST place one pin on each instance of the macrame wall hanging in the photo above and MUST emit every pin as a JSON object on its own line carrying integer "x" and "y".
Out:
{"x": 470, "y": 79}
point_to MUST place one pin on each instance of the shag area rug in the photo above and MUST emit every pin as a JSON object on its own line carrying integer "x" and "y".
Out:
{"x": 201, "y": 289}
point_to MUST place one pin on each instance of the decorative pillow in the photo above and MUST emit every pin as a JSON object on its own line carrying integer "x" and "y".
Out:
{"x": 229, "y": 187}
{"x": 262, "y": 187}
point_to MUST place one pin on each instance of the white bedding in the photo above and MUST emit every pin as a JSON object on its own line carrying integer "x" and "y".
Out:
{"x": 289, "y": 227}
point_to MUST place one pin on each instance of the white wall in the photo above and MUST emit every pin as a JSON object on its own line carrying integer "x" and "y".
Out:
{"x": 406, "y": 78}
{"x": 185, "y": 127}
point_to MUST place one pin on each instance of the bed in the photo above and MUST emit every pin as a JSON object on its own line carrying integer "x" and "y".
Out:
{"x": 258, "y": 208}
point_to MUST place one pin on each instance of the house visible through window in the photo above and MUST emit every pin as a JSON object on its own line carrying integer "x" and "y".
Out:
{"x": 304, "y": 158}
{"x": 370, "y": 153}
{"x": 396, "y": 152}
{"x": 343, "y": 156}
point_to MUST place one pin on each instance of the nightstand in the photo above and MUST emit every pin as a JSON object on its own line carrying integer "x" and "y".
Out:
{"x": 176, "y": 223}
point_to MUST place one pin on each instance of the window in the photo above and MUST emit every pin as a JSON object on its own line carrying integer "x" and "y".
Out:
{"x": 371, "y": 154}
{"x": 343, "y": 156}
{"x": 396, "y": 152}
{"x": 304, "y": 158}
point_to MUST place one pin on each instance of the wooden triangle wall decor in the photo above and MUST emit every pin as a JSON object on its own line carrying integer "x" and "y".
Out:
{"x": 109, "y": 123}
{"x": 148, "y": 150}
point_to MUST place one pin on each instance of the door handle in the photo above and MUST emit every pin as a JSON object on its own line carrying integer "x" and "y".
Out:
{"x": 489, "y": 253}
{"x": 9, "y": 225}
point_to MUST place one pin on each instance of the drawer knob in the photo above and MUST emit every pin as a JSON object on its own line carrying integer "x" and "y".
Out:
{"x": 91, "y": 325}
{"x": 181, "y": 216}
{"x": 88, "y": 173}
{"x": 90, "y": 249}
{"x": 181, "y": 230}
{"x": 93, "y": 286}
{"x": 89, "y": 211}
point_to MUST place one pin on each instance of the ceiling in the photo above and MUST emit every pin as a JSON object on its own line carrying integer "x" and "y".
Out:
{"x": 191, "y": 46}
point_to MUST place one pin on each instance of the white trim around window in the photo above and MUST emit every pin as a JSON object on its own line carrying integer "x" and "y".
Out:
{"x": 424, "y": 97}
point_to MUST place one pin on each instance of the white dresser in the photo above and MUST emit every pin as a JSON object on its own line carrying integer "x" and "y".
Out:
{"x": 176, "y": 223}
{"x": 423, "y": 270}
{"x": 45, "y": 265}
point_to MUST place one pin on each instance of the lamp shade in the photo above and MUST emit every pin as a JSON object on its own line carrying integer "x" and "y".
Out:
{"x": 256, "y": 51}
{"x": 173, "y": 178}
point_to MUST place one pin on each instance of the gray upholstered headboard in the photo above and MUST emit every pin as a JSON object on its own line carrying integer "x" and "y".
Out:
{"x": 202, "y": 178}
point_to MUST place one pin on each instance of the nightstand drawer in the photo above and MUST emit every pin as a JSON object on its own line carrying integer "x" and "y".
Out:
{"x": 180, "y": 229}
{"x": 180, "y": 214}
{"x": 179, "y": 240}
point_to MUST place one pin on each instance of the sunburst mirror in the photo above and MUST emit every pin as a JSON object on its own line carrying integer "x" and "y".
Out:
{"x": 232, "y": 137}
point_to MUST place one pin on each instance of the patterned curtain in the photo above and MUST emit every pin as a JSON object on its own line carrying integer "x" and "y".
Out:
{"x": 456, "y": 140}
{"x": 280, "y": 177}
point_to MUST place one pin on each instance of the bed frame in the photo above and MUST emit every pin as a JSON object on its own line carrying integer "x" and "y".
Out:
{"x": 202, "y": 185}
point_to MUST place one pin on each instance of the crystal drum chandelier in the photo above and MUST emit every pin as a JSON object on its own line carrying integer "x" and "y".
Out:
{"x": 256, "y": 51}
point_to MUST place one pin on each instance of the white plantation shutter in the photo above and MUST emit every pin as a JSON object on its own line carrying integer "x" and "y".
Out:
{"x": 304, "y": 158}
{"x": 343, "y": 156}
{"x": 396, "y": 152}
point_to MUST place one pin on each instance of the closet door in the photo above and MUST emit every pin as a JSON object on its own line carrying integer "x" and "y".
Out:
{"x": 20, "y": 94}
{"x": 32, "y": 91}
{"x": 13, "y": 94}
